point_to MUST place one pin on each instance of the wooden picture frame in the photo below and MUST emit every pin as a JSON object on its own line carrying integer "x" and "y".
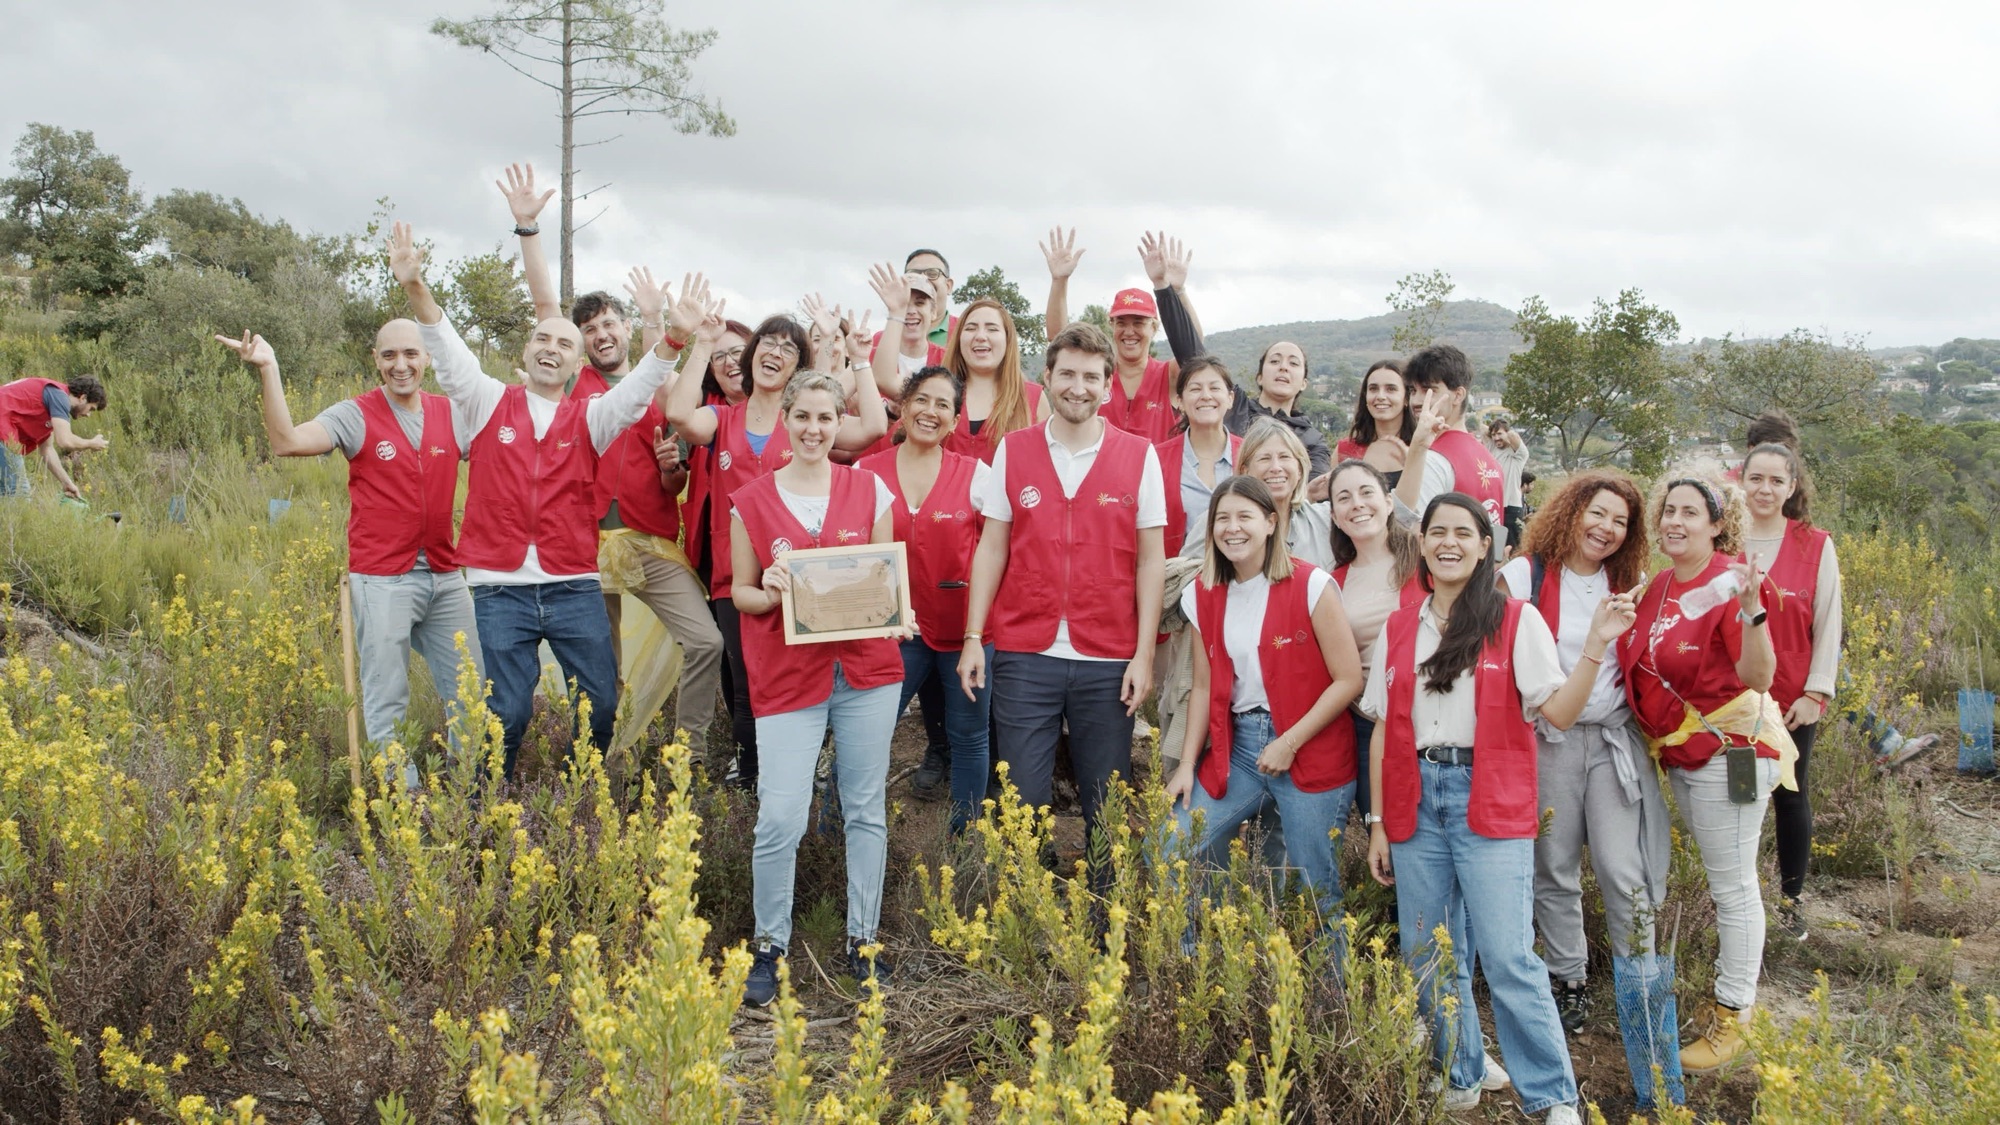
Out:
{"x": 853, "y": 593}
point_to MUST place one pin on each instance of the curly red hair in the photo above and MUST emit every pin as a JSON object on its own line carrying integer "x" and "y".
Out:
{"x": 1557, "y": 529}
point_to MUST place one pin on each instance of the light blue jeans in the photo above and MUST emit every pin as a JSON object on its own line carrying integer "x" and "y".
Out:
{"x": 420, "y": 609}
{"x": 1483, "y": 891}
{"x": 1728, "y": 835}
{"x": 1308, "y": 819}
{"x": 788, "y": 746}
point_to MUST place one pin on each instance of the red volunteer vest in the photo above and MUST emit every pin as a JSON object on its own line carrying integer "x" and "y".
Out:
{"x": 1473, "y": 471}
{"x": 1170, "y": 453}
{"x": 701, "y": 477}
{"x": 734, "y": 466}
{"x": 1503, "y": 760}
{"x": 1150, "y": 413}
{"x": 399, "y": 498}
{"x": 1295, "y": 676}
{"x": 982, "y": 444}
{"x": 790, "y": 677}
{"x": 526, "y": 491}
{"x": 1072, "y": 560}
{"x": 1795, "y": 572}
{"x": 24, "y": 418}
{"x": 628, "y": 472}
{"x": 1697, "y": 657}
{"x": 940, "y": 537}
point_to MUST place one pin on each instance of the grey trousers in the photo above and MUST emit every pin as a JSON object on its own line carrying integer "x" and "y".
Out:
{"x": 1033, "y": 697}
{"x": 677, "y": 596}
{"x": 1623, "y": 819}
{"x": 421, "y": 609}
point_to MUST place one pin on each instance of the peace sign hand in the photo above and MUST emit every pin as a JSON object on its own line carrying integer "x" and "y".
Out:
{"x": 251, "y": 349}
{"x": 1430, "y": 421}
{"x": 1061, "y": 252}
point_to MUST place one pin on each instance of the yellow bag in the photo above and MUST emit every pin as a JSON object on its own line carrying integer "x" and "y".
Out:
{"x": 1752, "y": 715}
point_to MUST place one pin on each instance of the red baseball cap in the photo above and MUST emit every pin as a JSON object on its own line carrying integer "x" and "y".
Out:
{"x": 1134, "y": 302}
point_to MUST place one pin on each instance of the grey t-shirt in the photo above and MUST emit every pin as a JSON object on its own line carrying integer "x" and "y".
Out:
{"x": 345, "y": 425}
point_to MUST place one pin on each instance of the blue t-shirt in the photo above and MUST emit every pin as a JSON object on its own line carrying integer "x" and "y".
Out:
{"x": 57, "y": 401}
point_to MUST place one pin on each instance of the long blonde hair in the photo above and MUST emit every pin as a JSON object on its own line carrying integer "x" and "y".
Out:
{"x": 1010, "y": 396}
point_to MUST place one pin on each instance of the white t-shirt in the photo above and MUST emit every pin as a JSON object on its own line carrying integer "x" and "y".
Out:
{"x": 810, "y": 511}
{"x": 1580, "y": 595}
{"x": 475, "y": 395}
{"x": 1243, "y": 627}
{"x": 1071, "y": 468}
{"x": 1451, "y": 719}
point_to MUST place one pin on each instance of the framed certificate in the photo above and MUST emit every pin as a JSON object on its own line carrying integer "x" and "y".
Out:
{"x": 846, "y": 593}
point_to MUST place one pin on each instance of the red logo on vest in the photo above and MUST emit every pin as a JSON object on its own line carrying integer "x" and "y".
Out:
{"x": 780, "y": 545}
{"x": 1030, "y": 496}
{"x": 385, "y": 450}
{"x": 724, "y": 460}
{"x": 506, "y": 435}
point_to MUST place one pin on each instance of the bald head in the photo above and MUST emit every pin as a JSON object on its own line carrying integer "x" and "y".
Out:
{"x": 553, "y": 353}
{"x": 400, "y": 359}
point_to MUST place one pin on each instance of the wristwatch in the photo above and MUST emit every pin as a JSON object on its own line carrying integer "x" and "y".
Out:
{"x": 1753, "y": 619}
{"x": 1371, "y": 819}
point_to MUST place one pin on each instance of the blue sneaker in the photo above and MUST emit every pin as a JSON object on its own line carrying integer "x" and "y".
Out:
{"x": 762, "y": 986}
{"x": 864, "y": 968}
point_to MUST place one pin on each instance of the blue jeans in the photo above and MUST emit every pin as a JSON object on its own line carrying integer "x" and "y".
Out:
{"x": 14, "y": 473}
{"x": 965, "y": 723}
{"x": 1482, "y": 889}
{"x": 570, "y": 616}
{"x": 788, "y": 745}
{"x": 1308, "y": 819}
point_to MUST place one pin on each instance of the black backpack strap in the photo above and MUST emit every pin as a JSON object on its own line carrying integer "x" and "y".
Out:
{"x": 1537, "y": 572}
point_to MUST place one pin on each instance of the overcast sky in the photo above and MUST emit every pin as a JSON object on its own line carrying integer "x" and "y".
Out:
{"x": 1752, "y": 166}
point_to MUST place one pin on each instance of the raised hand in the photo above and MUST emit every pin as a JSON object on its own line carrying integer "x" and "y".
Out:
{"x": 648, "y": 296}
{"x": 1750, "y": 592}
{"x": 251, "y": 349}
{"x": 666, "y": 450}
{"x": 888, "y": 283}
{"x": 1178, "y": 258}
{"x": 518, "y": 187}
{"x": 1061, "y": 252}
{"x": 1153, "y": 255}
{"x": 1612, "y": 617}
{"x": 1430, "y": 420}
{"x": 685, "y": 315}
{"x": 858, "y": 338}
{"x": 825, "y": 319}
{"x": 714, "y": 326}
{"x": 406, "y": 260}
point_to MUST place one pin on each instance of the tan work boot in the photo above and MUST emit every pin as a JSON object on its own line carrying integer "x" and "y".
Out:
{"x": 1721, "y": 1042}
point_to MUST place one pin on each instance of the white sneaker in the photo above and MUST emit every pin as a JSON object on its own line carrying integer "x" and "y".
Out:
{"x": 1496, "y": 1075}
{"x": 1458, "y": 1101}
{"x": 1562, "y": 1115}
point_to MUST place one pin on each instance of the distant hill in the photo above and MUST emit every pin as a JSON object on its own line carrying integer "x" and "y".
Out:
{"x": 1340, "y": 350}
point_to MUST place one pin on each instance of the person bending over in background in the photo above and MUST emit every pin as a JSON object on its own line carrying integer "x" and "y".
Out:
{"x": 36, "y": 414}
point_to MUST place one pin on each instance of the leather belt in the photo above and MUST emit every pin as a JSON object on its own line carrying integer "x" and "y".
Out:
{"x": 1447, "y": 755}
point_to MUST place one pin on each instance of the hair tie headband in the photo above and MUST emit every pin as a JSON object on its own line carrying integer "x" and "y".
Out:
{"x": 1708, "y": 493}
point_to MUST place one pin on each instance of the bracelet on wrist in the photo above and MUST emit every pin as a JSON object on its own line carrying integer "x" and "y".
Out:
{"x": 527, "y": 232}
{"x": 975, "y": 635}
{"x": 672, "y": 344}
{"x": 1593, "y": 659}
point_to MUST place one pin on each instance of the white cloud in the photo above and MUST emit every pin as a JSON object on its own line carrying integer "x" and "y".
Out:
{"x": 1751, "y": 167}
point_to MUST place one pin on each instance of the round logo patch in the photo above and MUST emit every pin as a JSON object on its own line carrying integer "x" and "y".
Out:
{"x": 385, "y": 450}
{"x": 506, "y": 435}
{"x": 780, "y": 545}
{"x": 1030, "y": 496}
{"x": 723, "y": 460}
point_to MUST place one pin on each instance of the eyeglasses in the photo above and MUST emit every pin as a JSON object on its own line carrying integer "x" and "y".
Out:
{"x": 781, "y": 347}
{"x": 730, "y": 355}
{"x": 931, "y": 272}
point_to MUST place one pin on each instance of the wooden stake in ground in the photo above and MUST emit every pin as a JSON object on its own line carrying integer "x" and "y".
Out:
{"x": 347, "y": 681}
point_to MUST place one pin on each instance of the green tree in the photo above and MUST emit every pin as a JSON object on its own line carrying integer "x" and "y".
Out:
{"x": 73, "y": 212}
{"x": 486, "y": 296}
{"x": 1599, "y": 386}
{"x": 1421, "y": 298}
{"x": 1818, "y": 381}
{"x": 599, "y": 57}
{"x": 1098, "y": 315}
{"x": 992, "y": 282}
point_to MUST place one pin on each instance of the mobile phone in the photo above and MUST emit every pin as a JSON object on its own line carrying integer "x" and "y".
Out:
{"x": 1742, "y": 774}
